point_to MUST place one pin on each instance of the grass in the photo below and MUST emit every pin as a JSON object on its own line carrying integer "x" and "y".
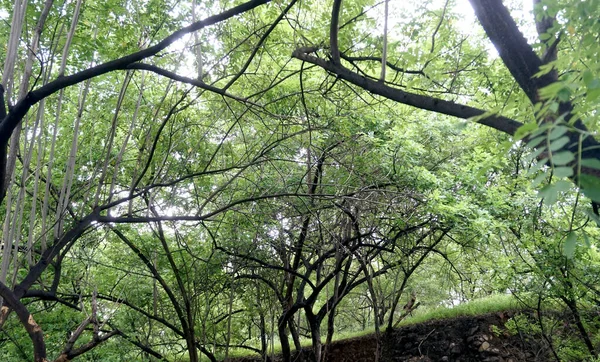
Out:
{"x": 494, "y": 303}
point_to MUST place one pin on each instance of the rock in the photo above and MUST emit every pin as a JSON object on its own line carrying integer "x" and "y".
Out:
{"x": 493, "y": 351}
{"x": 474, "y": 341}
{"x": 492, "y": 359}
{"x": 484, "y": 347}
{"x": 455, "y": 350}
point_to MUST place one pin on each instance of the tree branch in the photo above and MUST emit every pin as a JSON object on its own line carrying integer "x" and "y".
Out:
{"x": 194, "y": 82}
{"x": 333, "y": 31}
{"x": 433, "y": 104}
{"x": 16, "y": 114}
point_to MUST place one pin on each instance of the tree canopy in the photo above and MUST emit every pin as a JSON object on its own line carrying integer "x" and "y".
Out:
{"x": 179, "y": 180}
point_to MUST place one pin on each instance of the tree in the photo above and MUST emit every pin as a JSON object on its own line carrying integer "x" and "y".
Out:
{"x": 537, "y": 76}
{"x": 205, "y": 121}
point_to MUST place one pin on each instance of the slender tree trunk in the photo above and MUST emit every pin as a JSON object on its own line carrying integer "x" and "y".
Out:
{"x": 572, "y": 304}
{"x": 111, "y": 137}
{"x": 65, "y": 192}
{"x": 295, "y": 336}
{"x": 272, "y": 335}
{"x": 385, "y": 42}
{"x": 315, "y": 332}
{"x": 197, "y": 43}
{"x": 262, "y": 326}
{"x": 16, "y": 28}
{"x": 374, "y": 301}
{"x": 286, "y": 352}
{"x": 50, "y": 166}
{"x": 230, "y": 312}
{"x": 132, "y": 125}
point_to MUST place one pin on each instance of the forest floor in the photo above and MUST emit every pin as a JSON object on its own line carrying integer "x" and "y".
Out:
{"x": 461, "y": 339}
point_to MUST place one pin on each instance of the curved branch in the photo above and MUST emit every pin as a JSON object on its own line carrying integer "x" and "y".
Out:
{"x": 143, "y": 312}
{"x": 378, "y": 59}
{"x": 194, "y": 82}
{"x": 140, "y": 345}
{"x": 16, "y": 114}
{"x": 424, "y": 102}
{"x": 259, "y": 44}
{"x": 50, "y": 296}
{"x": 26, "y": 319}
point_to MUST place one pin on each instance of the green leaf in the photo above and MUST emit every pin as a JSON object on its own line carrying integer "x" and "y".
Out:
{"x": 549, "y": 194}
{"x": 545, "y": 36}
{"x": 587, "y": 241}
{"x": 559, "y": 143}
{"x": 541, "y": 131}
{"x": 561, "y": 172}
{"x": 541, "y": 163}
{"x": 557, "y": 132}
{"x": 594, "y": 84}
{"x": 592, "y": 94}
{"x": 533, "y": 155}
{"x": 593, "y": 216}
{"x": 524, "y": 130}
{"x": 591, "y": 163}
{"x": 536, "y": 141}
{"x": 588, "y": 77}
{"x": 563, "y": 185}
{"x": 551, "y": 90}
{"x": 570, "y": 244}
{"x": 563, "y": 158}
{"x": 538, "y": 179}
{"x": 590, "y": 186}
{"x": 564, "y": 94}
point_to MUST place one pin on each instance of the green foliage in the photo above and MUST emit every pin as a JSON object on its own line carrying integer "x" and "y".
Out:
{"x": 261, "y": 184}
{"x": 490, "y": 304}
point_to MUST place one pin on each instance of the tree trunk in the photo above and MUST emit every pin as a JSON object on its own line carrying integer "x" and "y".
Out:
{"x": 286, "y": 353}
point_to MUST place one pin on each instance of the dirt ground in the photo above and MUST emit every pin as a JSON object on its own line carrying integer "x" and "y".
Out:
{"x": 463, "y": 339}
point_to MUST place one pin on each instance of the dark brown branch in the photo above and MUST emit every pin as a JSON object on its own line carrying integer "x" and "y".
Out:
{"x": 156, "y": 274}
{"x": 543, "y": 26}
{"x": 437, "y": 28}
{"x": 523, "y": 64}
{"x": 26, "y": 319}
{"x": 50, "y": 296}
{"x": 95, "y": 342}
{"x": 16, "y": 114}
{"x": 3, "y": 151}
{"x": 516, "y": 53}
{"x": 378, "y": 59}
{"x": 140, "y": 345}
{"x": 69, "y": 237}
{"x": 259, "y": 44}
{"x": 142, "y": 219}
{"x": 433, "y": 104}
{"x": 143, "y": 312}
{"x": 194, "y": 82}
{"x": 333, "y": 31}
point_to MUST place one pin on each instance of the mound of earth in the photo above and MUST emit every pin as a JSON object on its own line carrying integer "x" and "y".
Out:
{"x": 463, "y": 339}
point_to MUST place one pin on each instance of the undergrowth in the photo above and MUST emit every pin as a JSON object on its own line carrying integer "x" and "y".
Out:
{"x": 490, "y": 304}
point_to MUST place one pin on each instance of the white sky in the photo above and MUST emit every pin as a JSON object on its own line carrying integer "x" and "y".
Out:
{"x": 404, "y": 11}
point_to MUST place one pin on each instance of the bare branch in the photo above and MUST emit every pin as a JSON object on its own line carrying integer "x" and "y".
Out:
{"x": 437, "y": 105}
